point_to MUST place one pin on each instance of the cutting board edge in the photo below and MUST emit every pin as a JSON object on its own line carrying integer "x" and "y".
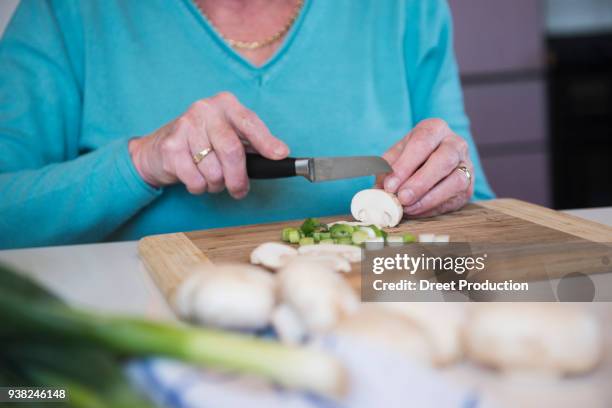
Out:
{"x": 175, "y": 256}
{"x": 546, "y": 217}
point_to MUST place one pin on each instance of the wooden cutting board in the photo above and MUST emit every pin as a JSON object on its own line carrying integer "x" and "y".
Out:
{"x": 169, "y": 257}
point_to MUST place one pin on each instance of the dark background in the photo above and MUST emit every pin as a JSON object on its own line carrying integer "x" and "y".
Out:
{"x": 537, "y": 77}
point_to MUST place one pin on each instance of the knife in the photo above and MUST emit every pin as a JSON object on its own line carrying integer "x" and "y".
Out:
{"x": 317, "y": 168}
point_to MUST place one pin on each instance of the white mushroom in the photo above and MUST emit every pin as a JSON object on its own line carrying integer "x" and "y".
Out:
{"x": 319, "y": 295}
{"x": 350, "y": 252}
{"x": 288, "y": 325}
{"x": 554, "y": 339}
{"x": 441, "y": 323}
{"x": 427, "y": 237}
{"x": 272, "y": 255}
{"x": 386, "y": 329}
{"x": 232, "y": 296}
{"x": 374, "y": 206}
{"x": 334, "y": 261}
{"x": 442, "y": 238}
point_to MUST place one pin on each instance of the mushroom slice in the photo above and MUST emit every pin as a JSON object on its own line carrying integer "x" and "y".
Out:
{"x": 441, "y": 323}
{"x": 349, "y": 252}
{"x": 334, "y": 261}
{"x": 182, "y": 300}
{"x": 272, "y": 255}
{"x": 374, "y": 206}
{"x": 319, "y": 295}
{"x": 231, "y": 296}
{"x": 288, "y": 325}
{"x": 551, "y": 339}
{"x": 427, "y": 237}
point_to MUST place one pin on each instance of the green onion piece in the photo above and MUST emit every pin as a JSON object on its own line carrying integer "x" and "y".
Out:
{"x": 379, "y": 232}
{"x": 300, "y": 368}
{"x": 341, "y": 231}
{"x": 285, "y": 233}
{"x": 325, "y": 235}
{"x": 345, "y": 241}
{"x": 307, "y": 241}
{"x": 359, "y": 237}
{"x": 309, "y": 226}
{"x": 327, "y": 241}
{"x": 409, "y": 238}
{"x": 316, "y": 236}
{"x": 294, "y": 236}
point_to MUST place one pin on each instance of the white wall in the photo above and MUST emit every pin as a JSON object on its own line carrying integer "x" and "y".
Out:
{"x": 6, "y": 11}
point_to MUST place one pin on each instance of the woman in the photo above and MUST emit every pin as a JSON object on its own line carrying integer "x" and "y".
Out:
{"x": 120, "y": 119}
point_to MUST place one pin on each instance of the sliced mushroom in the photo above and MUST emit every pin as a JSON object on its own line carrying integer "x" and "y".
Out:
{"x": 272, "y": 255}
{"x": 232, "y": 296}
{"x": 319, "y": 295}
{"x": 288, "y": 325}
{"x": 427, "y": 237}
{"x": 554, "y": 339}
{"x": 334, "y": 261}
{"x": 441, "y": 323}
{"x": 350, "y": 252}
{"x": 374, "y": 206}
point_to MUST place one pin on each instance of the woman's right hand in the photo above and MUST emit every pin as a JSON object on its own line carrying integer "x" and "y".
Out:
{"x": 221, "y": 123}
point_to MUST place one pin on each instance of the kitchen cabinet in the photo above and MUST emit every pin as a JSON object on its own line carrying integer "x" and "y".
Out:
{"x": 500, "y": 51}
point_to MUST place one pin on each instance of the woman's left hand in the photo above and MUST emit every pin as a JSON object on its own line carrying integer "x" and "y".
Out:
{"x": 426, "y": 170}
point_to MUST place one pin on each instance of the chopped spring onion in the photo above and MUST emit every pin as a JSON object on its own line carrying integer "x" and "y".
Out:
{"x": 344, "y": 241}
{"x": 409, "y": 238}
{"x": 379, "y": 232}
{"x": 369, "y": 230}
{"x": 311, "y": 225}
{"x": 285, "y": 233}
{"x": 359, "y": 237}
{"x": 306, "y": 241}
{"x": 294, "y": 236}
{"x": 341, "y": 231}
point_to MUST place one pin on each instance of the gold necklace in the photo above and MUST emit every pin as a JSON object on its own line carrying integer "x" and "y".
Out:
{"x": 253, "y": 45}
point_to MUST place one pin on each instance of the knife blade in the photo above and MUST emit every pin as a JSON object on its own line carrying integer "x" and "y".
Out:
{"x": 316, "y": 169}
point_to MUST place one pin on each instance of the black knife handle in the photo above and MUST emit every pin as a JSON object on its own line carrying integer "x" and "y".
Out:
{"x": 259, "y": 167}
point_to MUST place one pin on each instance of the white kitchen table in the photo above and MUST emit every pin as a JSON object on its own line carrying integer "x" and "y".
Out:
{"x": 110, "y": 277}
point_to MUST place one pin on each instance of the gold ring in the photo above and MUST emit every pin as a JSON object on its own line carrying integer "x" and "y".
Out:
{"x": 198, "y": 157}
{"x": 467, "y": 173}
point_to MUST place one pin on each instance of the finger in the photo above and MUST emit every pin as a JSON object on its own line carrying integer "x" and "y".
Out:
{"x": 452, "y": 204}
{"x": 440, "y": 164}
{"x": 455, "y": 185}
{"x": 390, "y": 157}
{"x": 188, "y": 173}
{"x": 252, "y": 128}
{"x": 230, "y": 152}
{"x": 209, "y": 166}
{"x": 422, "y": 141}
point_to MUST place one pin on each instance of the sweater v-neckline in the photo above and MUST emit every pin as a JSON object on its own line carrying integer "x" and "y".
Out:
{"x": 243, "y": 62}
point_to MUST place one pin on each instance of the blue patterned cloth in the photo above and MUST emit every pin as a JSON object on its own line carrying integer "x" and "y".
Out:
{"x": 378, "y": 378}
